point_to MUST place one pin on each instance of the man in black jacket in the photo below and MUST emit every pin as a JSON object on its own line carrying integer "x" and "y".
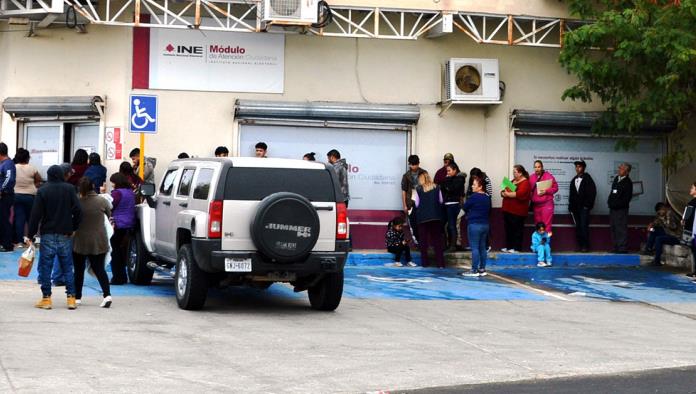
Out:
{"x": 580, "y": 202}
{"x": 619, "y": 199}
{"x": 57, "y": 209}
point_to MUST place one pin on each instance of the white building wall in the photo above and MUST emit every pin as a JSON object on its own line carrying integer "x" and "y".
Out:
{"x": 62, "y": 62}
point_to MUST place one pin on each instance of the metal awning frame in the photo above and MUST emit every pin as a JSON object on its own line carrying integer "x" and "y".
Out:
{"x": 348, "y": 21}
{"x": 54, "y": 108}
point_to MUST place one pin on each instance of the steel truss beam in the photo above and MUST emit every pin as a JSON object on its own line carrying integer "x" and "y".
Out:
{"x": 25, "y": 8}
{"x": 354, "y": 22}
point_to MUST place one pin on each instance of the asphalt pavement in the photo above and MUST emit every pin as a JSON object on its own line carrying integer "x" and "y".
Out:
{"x": 397, "y": 329}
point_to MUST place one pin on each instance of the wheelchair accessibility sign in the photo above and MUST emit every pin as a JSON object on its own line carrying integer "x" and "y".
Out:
{"x": 143, "y": 114}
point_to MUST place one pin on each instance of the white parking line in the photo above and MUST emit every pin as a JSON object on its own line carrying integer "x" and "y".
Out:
{"x": 520, "y": 284}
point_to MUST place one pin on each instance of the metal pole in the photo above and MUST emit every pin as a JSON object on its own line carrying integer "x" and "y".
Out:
{"x": 141, "y": 165}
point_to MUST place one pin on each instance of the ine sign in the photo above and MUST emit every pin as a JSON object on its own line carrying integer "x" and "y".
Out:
{"x": 143, "y": 114}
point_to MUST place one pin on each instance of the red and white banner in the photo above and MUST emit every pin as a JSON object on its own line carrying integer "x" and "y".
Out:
{"x": 173, "y": 59}
{"x": 113, "y": 141}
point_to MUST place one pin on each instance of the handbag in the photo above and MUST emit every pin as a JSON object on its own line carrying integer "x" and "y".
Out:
{"x": 26, "y": 261}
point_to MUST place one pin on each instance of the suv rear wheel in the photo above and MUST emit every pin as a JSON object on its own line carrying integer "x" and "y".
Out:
{"x": 138, "y": 257}
{"x": 191, "y": 283}
{"x": 326, "y": 295}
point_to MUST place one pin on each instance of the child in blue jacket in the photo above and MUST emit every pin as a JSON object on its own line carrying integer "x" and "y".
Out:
{"x": 541, "y": 244}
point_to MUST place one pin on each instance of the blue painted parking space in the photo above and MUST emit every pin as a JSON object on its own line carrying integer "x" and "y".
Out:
{"x": 645, "y": 284}
{"x": 369, "y": 278}
{"x": 361, "y": 281}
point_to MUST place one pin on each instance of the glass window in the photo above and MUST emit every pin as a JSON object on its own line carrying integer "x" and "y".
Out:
{"x": 247, "y": 183}
{"x": 205, "y": 177}
{"x": 185, "y": 183}
{"x": 168, "y": 182}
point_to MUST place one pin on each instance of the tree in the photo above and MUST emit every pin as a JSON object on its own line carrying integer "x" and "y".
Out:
{"x": 639, "y": 59}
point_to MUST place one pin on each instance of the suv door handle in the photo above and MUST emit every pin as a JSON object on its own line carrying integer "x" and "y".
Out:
{"x": 329, "y": 208}
{"x": 183, "y": 204}
{"x": 167, "y": 202}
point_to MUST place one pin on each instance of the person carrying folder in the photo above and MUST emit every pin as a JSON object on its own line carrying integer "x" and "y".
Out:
{"x": 544, "y": 186}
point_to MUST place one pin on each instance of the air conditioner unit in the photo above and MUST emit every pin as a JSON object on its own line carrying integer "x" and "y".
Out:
{"x": 289, "y": 12}
{"x": 474, "y": 81}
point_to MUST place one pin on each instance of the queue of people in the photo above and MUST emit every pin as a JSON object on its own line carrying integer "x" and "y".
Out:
{"x": 71, "y": 218}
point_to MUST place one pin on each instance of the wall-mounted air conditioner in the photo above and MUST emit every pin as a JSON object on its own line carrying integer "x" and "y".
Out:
{"x": 289, "y": 12}
{"x": 475, "y": 81}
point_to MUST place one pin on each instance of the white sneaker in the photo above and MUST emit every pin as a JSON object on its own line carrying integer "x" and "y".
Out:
{"x": 483, "y": 273}
{"x": 471, "y": 274}
{"x": 78, "y": 302}
{"x": 489, "y": 249}
{"x": 106, "y": 302}
{"x": 549, "y": 264}
{"x": 504, "y": 250}
{"x": 541, "y": 264}
{"x": 411, "y": 264}
{"x": 511, "y": 251}
{"x": 397, "y": 264}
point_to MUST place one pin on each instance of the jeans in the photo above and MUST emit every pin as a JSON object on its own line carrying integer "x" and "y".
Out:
{"x": 6, "y": 202}
{"x": 514, "y": 230}
{"x": 582, "y": 227}
{"x": 53, "y": 245}
{"x": 478, "y": 238}
{"x": 97, "y": 264}
{"x": 543, "y": 252}
{"x": 22, "y": 211}
{"x": 57, "y": 274}
{"x": 652, "y": 236}
{"x": 452, "y": 213}
{"x": 659, "y": 242}
{"x": 398, "y": 251}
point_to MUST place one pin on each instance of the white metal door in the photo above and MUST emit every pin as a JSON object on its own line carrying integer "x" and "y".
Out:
{"x": 44, "y": 141}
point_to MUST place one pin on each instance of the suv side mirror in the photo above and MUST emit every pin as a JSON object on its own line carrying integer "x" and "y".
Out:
{"x": 147, "y": 189}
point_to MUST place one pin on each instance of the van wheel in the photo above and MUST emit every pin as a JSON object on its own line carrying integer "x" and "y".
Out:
{"x": 326, "y": 295}
{"x": 138, "y": 257}
{"x": 191, "y": 283}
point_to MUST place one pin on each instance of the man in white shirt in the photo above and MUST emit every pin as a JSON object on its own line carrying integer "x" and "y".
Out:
{"x": 580, "y": 202}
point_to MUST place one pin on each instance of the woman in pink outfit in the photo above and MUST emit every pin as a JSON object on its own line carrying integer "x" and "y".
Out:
{"x": 543, "y": 201}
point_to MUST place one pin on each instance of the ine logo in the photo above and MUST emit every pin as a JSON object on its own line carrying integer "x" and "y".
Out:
{"x": 184, "y": 50}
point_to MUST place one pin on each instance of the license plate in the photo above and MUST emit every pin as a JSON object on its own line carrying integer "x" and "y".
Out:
{"x": 237, "y": 265}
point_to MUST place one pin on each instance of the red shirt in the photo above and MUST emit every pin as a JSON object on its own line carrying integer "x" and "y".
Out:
{"x": 518, "y": 205}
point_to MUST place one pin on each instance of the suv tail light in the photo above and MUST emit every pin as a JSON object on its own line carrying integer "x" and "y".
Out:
{"x": 215, "y": 219}
{"x": 341, "y": 221}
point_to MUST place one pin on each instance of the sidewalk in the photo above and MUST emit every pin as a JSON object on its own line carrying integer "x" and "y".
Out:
{"x": 500, "y": 259}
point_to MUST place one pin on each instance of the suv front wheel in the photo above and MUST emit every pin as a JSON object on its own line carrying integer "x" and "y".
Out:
{"x": 326, "y": 295}
{"x": 191, "y": 283}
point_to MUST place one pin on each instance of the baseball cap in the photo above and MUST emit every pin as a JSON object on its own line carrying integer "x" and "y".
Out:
{"x": 580, "y": 163}
{"x": 448, "y": 156}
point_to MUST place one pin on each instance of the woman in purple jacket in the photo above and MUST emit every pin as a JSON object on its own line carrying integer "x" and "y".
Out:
{"x": 123, "y": 215}
{"x": 542, "y": 199}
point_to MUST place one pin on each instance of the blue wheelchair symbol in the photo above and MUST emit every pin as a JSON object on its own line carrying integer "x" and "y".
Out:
{"x": 143, "y": 114}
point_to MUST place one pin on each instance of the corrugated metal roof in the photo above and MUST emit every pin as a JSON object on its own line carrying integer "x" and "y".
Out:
{"x": 27, "y": 107}
{"x": 353, "y": 112}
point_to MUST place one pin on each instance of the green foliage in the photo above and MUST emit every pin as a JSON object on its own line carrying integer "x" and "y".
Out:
{"x": 639, "y": 59}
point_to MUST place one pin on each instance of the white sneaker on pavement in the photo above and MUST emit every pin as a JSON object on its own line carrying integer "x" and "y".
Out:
{"x": 511, "y": 251}
{"x": 471, "y": 274}
{"x": 398, "y": 264}
{"x": 483, "y": 273}
{"x": 504, "y": 250}
{"x": 106, "y": 302}
{"x": 411, "y": 264}
{"x": 541, "y": 264}
{"x": 78, "y": 302}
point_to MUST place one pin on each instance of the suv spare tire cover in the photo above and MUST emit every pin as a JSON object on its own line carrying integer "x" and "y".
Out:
{"x": 285, "y": 227}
